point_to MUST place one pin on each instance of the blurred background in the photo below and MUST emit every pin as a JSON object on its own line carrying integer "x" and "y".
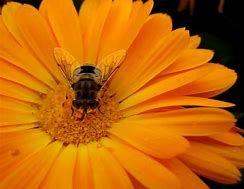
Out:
{"x": 218, "y": 22}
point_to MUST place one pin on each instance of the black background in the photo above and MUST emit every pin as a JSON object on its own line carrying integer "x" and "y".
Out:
{"x": 221, "y": 32}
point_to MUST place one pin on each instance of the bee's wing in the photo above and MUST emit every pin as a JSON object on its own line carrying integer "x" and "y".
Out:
{"x": 110, "y": 64}
{"x": 66, "y": 62}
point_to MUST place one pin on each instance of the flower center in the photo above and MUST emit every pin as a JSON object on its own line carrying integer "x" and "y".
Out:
{"x": 62, "y": 122}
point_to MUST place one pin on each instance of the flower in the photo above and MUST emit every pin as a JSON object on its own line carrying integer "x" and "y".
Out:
{"x": 160, "y": 128}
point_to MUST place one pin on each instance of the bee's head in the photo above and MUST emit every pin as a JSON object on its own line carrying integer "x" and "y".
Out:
{"x": 87, "y": 72}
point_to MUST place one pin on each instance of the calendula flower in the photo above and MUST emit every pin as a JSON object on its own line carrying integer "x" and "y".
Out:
{"x": 155, "y": 125}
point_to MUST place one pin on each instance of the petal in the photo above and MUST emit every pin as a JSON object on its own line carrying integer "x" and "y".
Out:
{"x": 39, "y": 38}
{"x": 16, "y": 105}
{"x": 189, "y": 59}
{"x": 61, "y": 173}
{"x": 31, "y": 172}
{"x": 92, "y": 16}
{"x": 12, "y": 117}
{"x": 17, "y": 146}
{"x": 194, "y": 42}
{"x": 60, "y": 14}
{"x": 187, "y": 122}
{"x": 136, "y": 183}
{"x": 16, "y": 54}
{"x": 13, "y": 73}
{"x": 160, "y": 56}
{"x": 164, "y": 84}
{"x": 232, "y": 153}
{"x": 218, "y": 80}
{"x": 210, "y": 165}
{"x": 229, "y": 138}
{"x": 104, "y": 167}
{"x": 20, "y": 57}
{"x": 14, "y": 128}
{"x": 8, "y": 17}
{"x": 83, "y": 170}
{"x": 14, "y": 90}
{"x": 43, "y": 9}
{"x": 115, "y": 26}
{"x": 157, "y": 25}
{"x": 4, "y": 29}
{"x": 187, "y": 178}
{"x": 139, "y": 15}
{"x": 145, "y": 169}
{"x": 168, "y": 101}
{"x": 153, "y": 141}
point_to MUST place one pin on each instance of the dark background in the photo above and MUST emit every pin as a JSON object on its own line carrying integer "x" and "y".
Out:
{"x": 220, "y": 32}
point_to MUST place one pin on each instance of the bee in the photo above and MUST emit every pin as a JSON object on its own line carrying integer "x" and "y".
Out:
{"x": 87, "y": 80}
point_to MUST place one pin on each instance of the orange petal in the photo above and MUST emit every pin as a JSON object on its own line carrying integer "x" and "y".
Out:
{"x": 187, "y": 178}
{"x": 62, "y": 16}
{"x": 237, "y": 129}
{"x": 14, "y": 90}
{"x": 164, "y": 84}
{"x": 13, "y": 73}
{"x": 210, "y": 165}
{"x": 21, "y": 57}
{"x": 31, "y": 172}
{"x": 43, "y": 9}
{"x": 93, "y": 15}
{"x": 229, "y": 138}
{"x": 16, "y": 54}
{"x": 146, "y": 170}
{"x": 14, "y": 128}
{"x": 168, "y": 101}
{"x": 136, "y": 183}
{"x": 39, "y": 38}
{"x": 157, "y": 25}
{"x": 83, "y": 170}
{"x": 61, "y": 173}
{"x": 189, "y": 59}
{"x": 8, "y": 17}
{"x": 4, "y": 30}
{"x": 218, "y": 80}
{"x": 187, "y": 122}
{"x": 17, "y": 146}
{"x": 194, "y": 42}
{"x": 115, "y": 26}
{"x": 154, "y": 141}
{"x": 139, "y": 14}
{"x": 12, "y": 117}
{"x": 160, "y": 56}
{"x": 16, "y": 105}
{"x": 104, "y": 167}
{"x": 232, "y": 153}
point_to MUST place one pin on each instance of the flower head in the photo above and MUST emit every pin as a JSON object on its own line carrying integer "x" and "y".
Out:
{"x": 155, "y": 124}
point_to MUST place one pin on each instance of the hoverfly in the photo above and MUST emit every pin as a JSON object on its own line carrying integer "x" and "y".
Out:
{"x": 85, "y": 79}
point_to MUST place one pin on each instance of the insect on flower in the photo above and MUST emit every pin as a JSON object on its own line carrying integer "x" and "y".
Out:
{"x": 88, "y": 80}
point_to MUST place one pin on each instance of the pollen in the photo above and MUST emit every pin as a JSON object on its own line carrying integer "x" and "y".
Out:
{"x": 62, "y": 122}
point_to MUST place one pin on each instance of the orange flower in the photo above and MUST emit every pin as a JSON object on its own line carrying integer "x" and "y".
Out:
{"x": 156, "y": 125}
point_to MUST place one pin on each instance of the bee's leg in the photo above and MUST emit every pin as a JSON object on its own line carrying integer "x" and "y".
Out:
{"x": 98, "y": 108}
{"x": 83, "y": 116}
{"x": 72, "y": 110}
